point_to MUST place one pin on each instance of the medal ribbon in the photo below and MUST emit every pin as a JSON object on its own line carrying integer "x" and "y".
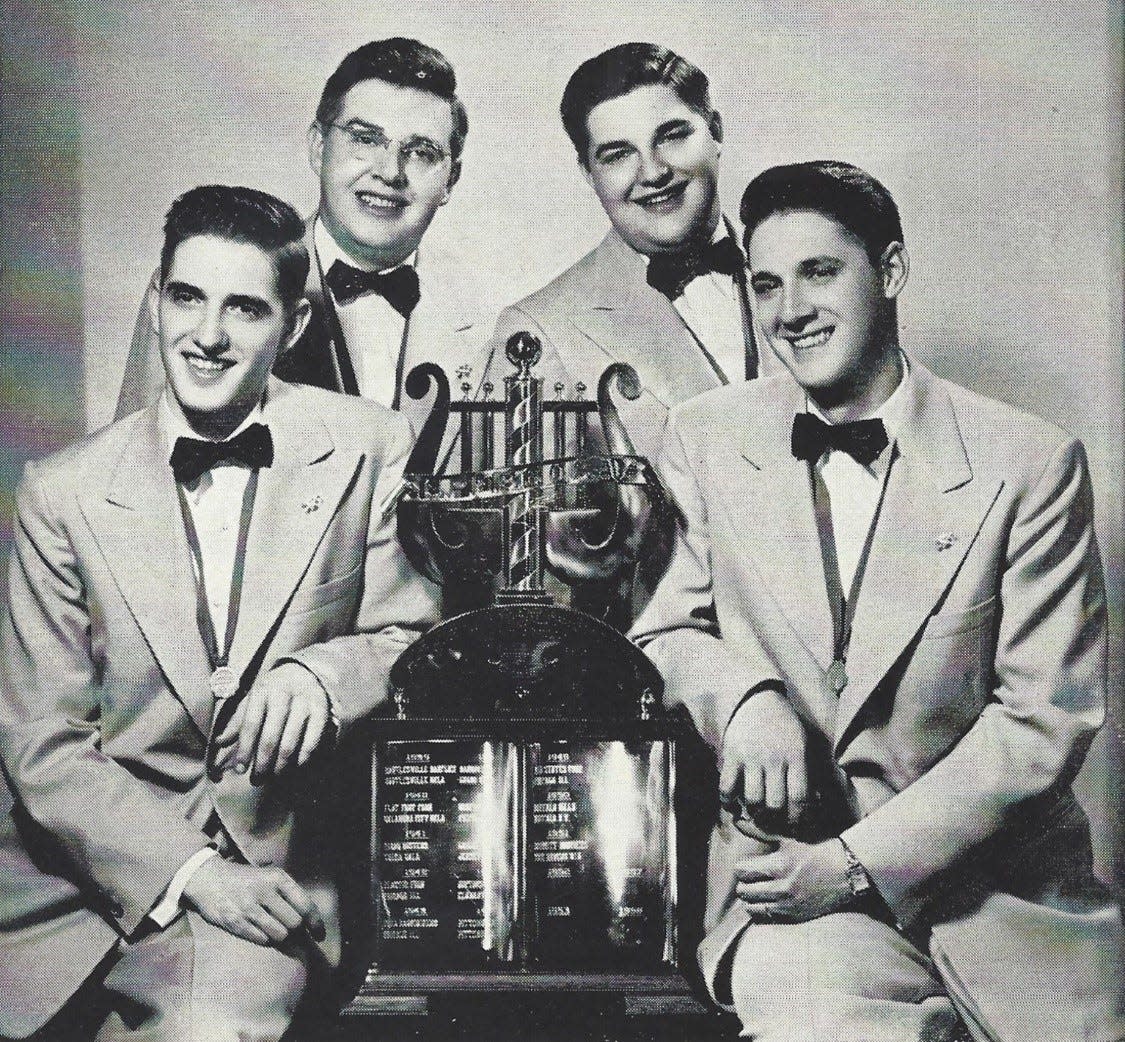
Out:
{"x": 223, "y": 682}
{"x": 843, "y": 607}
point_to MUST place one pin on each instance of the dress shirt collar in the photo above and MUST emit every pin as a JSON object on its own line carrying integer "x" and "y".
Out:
{"x": 722, "y": 230}
{"x": 890, "y": 412}
{"x": 328, "y": 251}
{"x": 173, "y": 425}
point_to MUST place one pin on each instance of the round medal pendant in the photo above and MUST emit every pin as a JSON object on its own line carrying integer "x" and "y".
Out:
{"x": 837, "y": 678}
{"x": 224, "y": 682}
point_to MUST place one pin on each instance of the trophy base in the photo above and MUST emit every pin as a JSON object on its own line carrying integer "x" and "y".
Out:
{"x": 661, "y": 994}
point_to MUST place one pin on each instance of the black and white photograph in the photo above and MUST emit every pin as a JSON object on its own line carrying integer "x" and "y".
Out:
{"x": 562, "y": 521}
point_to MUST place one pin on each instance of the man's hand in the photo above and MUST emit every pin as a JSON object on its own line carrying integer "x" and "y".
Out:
{"x": 762, "y": 766}
{"x": 282, "y": 721}
{"x": 796, "y": 882}
{"x": 262, "y": 905}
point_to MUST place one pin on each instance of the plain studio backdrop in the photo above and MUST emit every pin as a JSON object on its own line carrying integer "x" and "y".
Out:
{"x": 997, "y": 131}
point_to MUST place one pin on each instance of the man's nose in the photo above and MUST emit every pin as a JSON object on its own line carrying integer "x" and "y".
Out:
{"x": 796, "y": 308}
{"x": 210, "y": 335}
{"x": 654, "y": 169}
{"x": 389, "y": 165}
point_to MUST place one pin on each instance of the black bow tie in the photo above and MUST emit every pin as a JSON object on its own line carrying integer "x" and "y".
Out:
{"x": 192, "y": 457}
{"x": 863, "y": 440}
{"x": 671, "y": 272}
{"x": 399, "y": 286}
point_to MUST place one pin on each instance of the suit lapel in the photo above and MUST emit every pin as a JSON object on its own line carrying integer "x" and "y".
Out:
{"x": 296, "y": 501}
{"x": 626, "y": 320}
{"x": 138, "y": 525}
{"x": 932, "y": 512}
{"x": 771, "y": 509}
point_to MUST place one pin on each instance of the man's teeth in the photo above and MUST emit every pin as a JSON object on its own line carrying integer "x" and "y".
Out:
{"x": 379, "y": 202}
{"x": 211, "y": 365}
{"x": 662, "y": 197}
{"x": 812, "y": 339}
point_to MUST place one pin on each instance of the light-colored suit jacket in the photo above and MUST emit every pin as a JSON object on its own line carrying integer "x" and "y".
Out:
{"x": 105, "y": 711}
{"x": 976, "y": 679}
{"x": 602, "y": 310}
{"x": 449, "y": 326}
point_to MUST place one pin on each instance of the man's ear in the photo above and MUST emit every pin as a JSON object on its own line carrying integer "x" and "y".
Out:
{"x": 454, "y": 177}
{"x": 315, "y": 138}
{"x": 298, "y": 323}
{"x": 715, "y": 125}
{"x": 894, "y": 265}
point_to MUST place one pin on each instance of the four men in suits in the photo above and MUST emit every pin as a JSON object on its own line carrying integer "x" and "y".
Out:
{"x": 203, "y": 597}
{"x": 884, "y": 610}
{"x": 386, "y": 147}
{"x": 665, "y": 290}
{"x": 888, "y": 584}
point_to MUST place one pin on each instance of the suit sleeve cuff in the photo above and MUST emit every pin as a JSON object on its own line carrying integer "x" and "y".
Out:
{"x": 168, "y": 907}
{"x": 765, "y": 685}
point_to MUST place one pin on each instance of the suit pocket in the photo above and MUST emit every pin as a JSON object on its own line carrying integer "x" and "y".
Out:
{"x": 950, "y": 623}
{"x": 324, "y": 593}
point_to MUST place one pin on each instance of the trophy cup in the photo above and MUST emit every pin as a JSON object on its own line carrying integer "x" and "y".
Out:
{"x": 524, "y": 817}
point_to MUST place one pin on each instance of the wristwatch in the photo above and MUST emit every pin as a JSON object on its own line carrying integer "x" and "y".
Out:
{"x": 858, "y": 879}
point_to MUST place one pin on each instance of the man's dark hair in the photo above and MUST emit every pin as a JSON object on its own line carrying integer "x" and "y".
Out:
{"x": 242, "y": 215}
{"x": 850, "y": 196}
{"x": 401, "y": 62}
{"x": 621, "y": 70}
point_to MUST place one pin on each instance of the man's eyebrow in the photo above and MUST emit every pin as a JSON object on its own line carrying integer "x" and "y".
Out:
{"x": 609, "y": 146}
{"x": 672, "y": 124}
{"x": 820, "y": 259}
{"x": 176, "y": 286}
{"x": 242, "y": 300}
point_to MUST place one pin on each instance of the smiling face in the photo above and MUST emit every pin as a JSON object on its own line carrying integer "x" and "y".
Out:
{"x": 221, "y": 325}
{"x": 826, "y": 309}
{"x": 654, "y": 164}
{"x": 385, "y": 168}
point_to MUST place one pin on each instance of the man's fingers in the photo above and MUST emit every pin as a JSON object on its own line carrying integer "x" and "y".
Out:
{"x": 753, "y": 787}
{"x": 296, "y": 727}
{"x": 797, "y": 783}
{"x": 729, "y": 775}
{"x": 250, "y": 729}
{"x": 299, "y": 900}
{"x": 279, "y": 707}
{"x": 774, "y": 787}
{"x": 314, "y": 733}
{"x": 276, "y": 932}
{"x": 225, "y": 743}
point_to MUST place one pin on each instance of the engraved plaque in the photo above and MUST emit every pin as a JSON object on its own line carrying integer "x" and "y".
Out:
{"x": 600, "y": 867}
{"x": 444, "y": 868}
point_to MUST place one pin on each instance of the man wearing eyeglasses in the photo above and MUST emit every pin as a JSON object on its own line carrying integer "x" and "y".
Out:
{"x": 386, "y": 146}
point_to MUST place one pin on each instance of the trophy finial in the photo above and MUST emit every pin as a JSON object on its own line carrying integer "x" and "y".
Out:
{"x": 523, "y": 351}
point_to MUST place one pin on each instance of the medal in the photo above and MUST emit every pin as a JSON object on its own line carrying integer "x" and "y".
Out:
{"x": 837, "y": 678}
{"x": 224, "y": 683}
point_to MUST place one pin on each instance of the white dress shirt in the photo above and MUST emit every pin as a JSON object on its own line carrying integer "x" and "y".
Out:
{"x": 854, "y": 489}
{"x": 373, "y": 330}
{"x": 215, "y": 503}
{"x": 710, "y": 308}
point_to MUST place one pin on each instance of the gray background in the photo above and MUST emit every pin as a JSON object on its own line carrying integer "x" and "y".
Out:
{"x": 998, "y": 131}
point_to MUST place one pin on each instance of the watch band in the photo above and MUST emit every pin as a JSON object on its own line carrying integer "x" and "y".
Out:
{"x": 858, "y": 879}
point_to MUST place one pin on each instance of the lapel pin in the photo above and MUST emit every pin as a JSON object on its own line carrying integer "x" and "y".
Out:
{"x": 946, "y": 540}
{"x": 311, "y": 505}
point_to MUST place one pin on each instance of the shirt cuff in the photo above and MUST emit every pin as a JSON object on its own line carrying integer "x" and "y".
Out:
{"x": 168, "y": 907}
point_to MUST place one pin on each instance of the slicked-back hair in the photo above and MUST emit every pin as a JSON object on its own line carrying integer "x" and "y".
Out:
{"x": 621, "y": 70}
{"x": 401, "y": 62}
{"x": 850, "y": 196}
{"x": 242, "y": 215}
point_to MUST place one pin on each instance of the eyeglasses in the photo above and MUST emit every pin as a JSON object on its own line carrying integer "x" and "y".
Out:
{"x": 415, "y": 155}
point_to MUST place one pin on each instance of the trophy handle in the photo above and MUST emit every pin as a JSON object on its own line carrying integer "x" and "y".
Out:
{"x": 423, "y": 457}
{"x": 628, "y": 383}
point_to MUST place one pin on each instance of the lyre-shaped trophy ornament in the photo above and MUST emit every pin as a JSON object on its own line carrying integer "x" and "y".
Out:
{"x": 579, "y": 513}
